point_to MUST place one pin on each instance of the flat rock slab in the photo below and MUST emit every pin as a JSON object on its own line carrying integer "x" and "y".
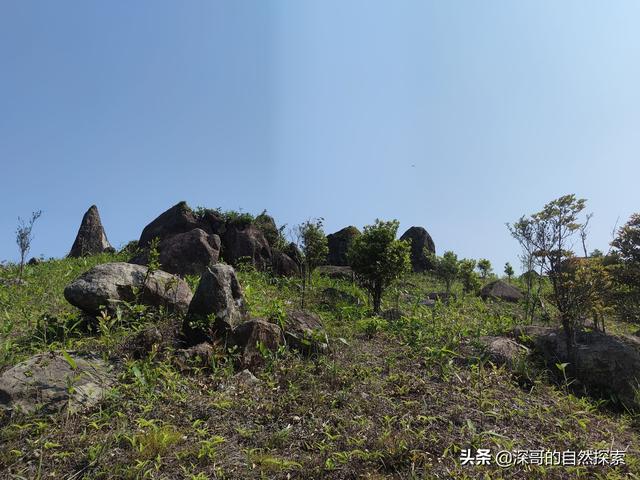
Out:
{"x": 51, "y": 382}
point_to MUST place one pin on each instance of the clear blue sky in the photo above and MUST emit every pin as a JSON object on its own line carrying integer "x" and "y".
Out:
{"x": 318, "y": 109}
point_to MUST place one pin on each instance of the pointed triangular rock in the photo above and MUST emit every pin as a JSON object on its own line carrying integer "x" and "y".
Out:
{"x": 91, "y": 238}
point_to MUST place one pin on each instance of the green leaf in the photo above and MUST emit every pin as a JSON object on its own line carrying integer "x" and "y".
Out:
{"x": 72, "y": 363}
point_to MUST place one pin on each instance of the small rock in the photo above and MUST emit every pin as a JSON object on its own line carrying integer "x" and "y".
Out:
{"x": 249, "y": 335}
{"x": 503, "y": 350}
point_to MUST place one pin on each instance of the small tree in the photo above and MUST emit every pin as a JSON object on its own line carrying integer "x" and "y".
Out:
{"x": 485, "y": 268}
{"x": 378, "y": 258}
{"x": 446, "y": 268}
{"x": 468, "y": 276}
{"x": 549, "y": 233}
{"x": 508, "y": 270}
{"x": 313, "y": 243}
{"x": 24, "y": 237}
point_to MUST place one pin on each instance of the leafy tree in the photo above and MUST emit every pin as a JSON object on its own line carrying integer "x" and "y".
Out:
{"x": 446, "y": 268}
{"x": 485, "y": 268}
{"x": 508, "y": 270}
{"x": 522, "y": 231}
{"x": 378, "y": 258}
{"x": 467, "y": 275}
{"x": 313, "y": 244}
{"x": 550, "y": 233}
{"x": 24, "y": 237}
{"x": 626, "y": 253}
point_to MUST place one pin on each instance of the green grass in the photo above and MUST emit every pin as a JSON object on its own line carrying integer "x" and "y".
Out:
{"x": 391, "y": 399}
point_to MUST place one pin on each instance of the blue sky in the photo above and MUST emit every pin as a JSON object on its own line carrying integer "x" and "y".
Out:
{"x": 457, "y": 116}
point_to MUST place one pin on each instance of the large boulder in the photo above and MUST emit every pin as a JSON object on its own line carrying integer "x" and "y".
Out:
{"x": 501, "y": 291}
{"x": 253, "y": 337}
{"x": 54, "y": 381}
{"x": 294, "y": 253}
{"x": 419, "y": 240}
{"x": 283, "y": 265}
{"x": 604, "y": 365}
{"x": 304, "y": 332}
{"x": 212, "y": 221}
{"x": 339, "y": 244}
{"x": 188, "y": 253}
{"x": 91, "y": 238}
{"x": 110, "y": 284}
{"x": 243, "y": 240}
{"x": 217, "y": 306}
{"x": 178, "y": 219}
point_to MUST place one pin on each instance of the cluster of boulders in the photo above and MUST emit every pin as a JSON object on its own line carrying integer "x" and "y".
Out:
{"x": 189, "y": 243}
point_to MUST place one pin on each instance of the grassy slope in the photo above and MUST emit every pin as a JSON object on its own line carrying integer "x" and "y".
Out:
{"x": 391, "y": 400}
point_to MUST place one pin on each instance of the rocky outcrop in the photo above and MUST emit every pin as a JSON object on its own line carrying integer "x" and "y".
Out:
{"x": 53, "y": 381}
{"x": 500, "y": 290}
{"x": 604, "y": 365}
{"x": 110, "y": 284}
{"x": 254, "y": 336}
{"x": 419, "y": 240}
{"x": 188, "y": 253}
{"x": 91, "y": 238}
{"x": 217, "y": 306}
{"x": 178, "y": 219}
{"x": 244, "y": 241}
{"x": 294, "y": 253}
{"x": 339, "y": 244}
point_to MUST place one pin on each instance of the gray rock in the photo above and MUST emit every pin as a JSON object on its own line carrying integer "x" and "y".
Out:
{"x": 244, "y": 241}
{"x": 503, "y": 350}
{"x": 419, "y": 239}
{"x": 48, "y": 381}
{"x": 110, "y": 284}
{"x": 294, "y": 253}
{"x": 217, "y": 306}
{"x": 198, "y": 356}
{"x": 501, "y": 291}
{"x": 606, "y": 366}
{"x": 247, "y": 336}
{"x": 188, "y": 253}
{"x": 91, "y": 238}
{"x": 304, "y": 331}
{"x": 339, "y": 244}
{"x": 283, "y": 265}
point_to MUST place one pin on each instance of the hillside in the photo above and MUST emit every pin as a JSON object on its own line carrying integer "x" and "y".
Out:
{"x": 398, "y": 398}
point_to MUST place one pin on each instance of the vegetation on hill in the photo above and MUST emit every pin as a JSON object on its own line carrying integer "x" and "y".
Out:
{"x": 391, "y": 399}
